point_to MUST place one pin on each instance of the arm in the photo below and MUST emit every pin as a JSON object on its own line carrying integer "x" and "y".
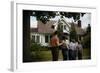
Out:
{"x": 58, "y": 43}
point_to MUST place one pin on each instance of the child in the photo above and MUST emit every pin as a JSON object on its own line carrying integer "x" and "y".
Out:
{"x": 80, "y": 50}
{"x": 72, "y": 50}
{"x": 64, "y": 48}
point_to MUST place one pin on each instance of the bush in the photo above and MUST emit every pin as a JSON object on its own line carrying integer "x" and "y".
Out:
{"x": 41, "y": 56}
{"x": 87, "y": 41}
{"x": 37, "y": 52}
{"x": 38, "y": 47}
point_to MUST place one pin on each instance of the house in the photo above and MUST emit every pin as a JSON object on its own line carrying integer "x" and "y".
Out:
{"x": 43, "y": 32}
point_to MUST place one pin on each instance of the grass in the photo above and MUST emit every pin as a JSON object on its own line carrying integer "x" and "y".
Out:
{"x": 42, "y": 56}
{"x": 86, "y": 53}
{"x": 46, "y": 55}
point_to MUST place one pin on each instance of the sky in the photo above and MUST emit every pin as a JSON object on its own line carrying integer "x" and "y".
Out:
{"x": 86, "y": 19}
{"x": 33, "y": 22}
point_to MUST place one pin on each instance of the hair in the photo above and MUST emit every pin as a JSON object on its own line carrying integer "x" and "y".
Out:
{"x": 64, "y": 37}
{"x": 73, "y": 40}
{"x": 55, "y": 33}
{"x": 79, "y": 42}
{"x": 52, "y": 26}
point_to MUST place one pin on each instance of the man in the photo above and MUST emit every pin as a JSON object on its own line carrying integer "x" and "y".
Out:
{"x": 54, "y": 43}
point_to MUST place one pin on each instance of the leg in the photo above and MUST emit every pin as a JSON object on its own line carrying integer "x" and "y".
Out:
{"x": 65, "y": 54}
{"x": 79, "y": 55}
{"x": 55, "y": 53}
{"x": 73, "y": 55}
{"x": 70, "y": 54}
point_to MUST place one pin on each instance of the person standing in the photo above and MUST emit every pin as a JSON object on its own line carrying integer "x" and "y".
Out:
{"x": 54, "y": 43}
{"x": 80, "y": 50}
{"x": 64, "y": 48}
{"x": 72, "y": 50}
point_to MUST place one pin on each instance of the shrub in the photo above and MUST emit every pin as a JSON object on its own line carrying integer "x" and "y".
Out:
{"x": 87, "y": 41}
{"x": 37, "y": 52}
{"x": 38, "y": 47}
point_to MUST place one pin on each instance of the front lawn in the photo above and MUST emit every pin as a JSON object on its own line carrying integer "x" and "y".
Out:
{"x": 46, "y": 55}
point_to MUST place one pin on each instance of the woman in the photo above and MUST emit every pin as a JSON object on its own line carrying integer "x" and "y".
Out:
{"x": 54, "y": 43}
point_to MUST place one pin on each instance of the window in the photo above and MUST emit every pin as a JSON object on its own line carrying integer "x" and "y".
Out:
{"x": 33, "y": 39}
{"x": 46, "y": 39}
{"x": 38, "y": 39}
{"x": 64, "y": 27}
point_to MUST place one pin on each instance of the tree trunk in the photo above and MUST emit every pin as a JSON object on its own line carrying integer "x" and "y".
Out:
{"x": 26, "y": 36}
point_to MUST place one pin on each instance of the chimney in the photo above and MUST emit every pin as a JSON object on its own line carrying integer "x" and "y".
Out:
{"x": 79, "y": 23}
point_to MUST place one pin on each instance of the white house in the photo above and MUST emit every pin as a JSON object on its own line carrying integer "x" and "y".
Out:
{"x": 43, "y": 32}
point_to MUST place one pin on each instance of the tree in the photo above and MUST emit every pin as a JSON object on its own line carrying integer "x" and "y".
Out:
{"x": 89, "y": 29}
{"x": 45, "y": 16}
{"x": 26, "y": 36}
{"x": 87, "y": 38}
{"x": 73, "y": 34}
{"x": 76, "y": 16}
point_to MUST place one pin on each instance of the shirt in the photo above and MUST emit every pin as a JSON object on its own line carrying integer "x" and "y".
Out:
{"x": 80, "y": 47}
{"x": 72, "y": 46}
{"x": 67, "y": 43}
{"x": 54, "y": 41}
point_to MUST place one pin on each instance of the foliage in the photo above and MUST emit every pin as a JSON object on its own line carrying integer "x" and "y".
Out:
{"x": 45, "y": 16}
{"x": 38, "y": 47}
{"x": 87, "y": 41}
{"x": 89, "y": 29}
{"x": 87, "y": 38}
{"x": 73, "y": 34}
{"x": 41, "y": 56}
{"x": 36, "y": 52}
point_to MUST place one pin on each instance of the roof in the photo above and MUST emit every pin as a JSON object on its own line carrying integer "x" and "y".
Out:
{"x": 34, "y": 29}
{"x": 44, "y": 28}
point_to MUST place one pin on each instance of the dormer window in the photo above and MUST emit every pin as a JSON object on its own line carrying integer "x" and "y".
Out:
{"x": 64, "y": 27}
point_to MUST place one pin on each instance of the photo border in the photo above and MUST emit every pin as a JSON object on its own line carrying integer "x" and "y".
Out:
{"x": 17, "y": 49}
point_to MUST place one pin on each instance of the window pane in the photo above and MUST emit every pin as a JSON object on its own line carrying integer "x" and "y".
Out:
{"x": 64, "y": 27}
{"x": 38, "y": 39}
{"x": 33, "y": 39}
{"x": 46, "y": 39}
